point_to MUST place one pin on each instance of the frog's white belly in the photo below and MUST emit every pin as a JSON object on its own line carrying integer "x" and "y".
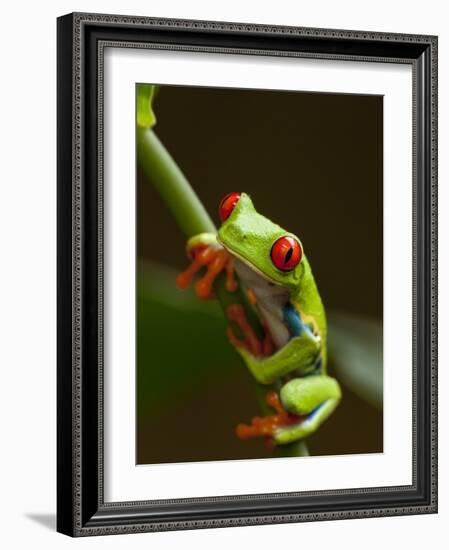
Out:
{"x": 271, "y": 300}
{"x": 278, "y": 330}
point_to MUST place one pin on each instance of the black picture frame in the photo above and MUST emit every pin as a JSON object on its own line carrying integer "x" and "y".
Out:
{"x": 81, "y": 509}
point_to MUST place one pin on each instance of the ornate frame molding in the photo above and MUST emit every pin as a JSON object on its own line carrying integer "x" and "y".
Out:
{"x": 81, "y": 42}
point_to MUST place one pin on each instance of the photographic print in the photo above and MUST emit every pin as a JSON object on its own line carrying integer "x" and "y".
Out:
{"x": 259, "y": 288}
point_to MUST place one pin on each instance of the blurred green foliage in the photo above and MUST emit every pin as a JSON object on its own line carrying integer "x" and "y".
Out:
{"x": 355, "y": 344}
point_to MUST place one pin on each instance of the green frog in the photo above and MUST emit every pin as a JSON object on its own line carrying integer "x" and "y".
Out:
{"x": 291, "y": 359}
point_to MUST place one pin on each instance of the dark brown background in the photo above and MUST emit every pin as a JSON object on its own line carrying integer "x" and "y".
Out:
{"x": 312, "y": 163}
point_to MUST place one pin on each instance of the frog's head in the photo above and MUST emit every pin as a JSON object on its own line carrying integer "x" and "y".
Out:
{"x": 263, "y": 246}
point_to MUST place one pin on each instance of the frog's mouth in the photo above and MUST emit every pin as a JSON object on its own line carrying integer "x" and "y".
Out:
{"x": 271, "y": 297}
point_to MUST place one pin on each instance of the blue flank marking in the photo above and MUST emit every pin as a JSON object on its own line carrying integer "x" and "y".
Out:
{"x": 314, "y": 412}
{"x": 296, "y": 327}
{"x": 294, "y": 322}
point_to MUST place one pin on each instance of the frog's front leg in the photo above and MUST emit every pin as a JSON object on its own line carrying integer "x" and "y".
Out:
{"x": 204, "y": 251}
{"x": 312, "y": 399}
{"x": 299, "y": 357}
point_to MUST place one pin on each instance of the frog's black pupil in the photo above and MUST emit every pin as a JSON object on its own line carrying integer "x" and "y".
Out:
{"x": 288, "y": 255}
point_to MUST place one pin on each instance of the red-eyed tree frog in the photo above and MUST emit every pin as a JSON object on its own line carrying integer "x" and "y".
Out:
{"x": 292, "y": 358}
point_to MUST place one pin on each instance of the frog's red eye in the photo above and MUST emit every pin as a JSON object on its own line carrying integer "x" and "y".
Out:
{"x": 227, "y": 205}
{"x": 286, "y": 253}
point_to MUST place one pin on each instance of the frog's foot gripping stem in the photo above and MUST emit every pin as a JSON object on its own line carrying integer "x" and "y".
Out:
{"x": 302, "y": 406}
{"x": 266, "y": 426}
{"x": 215, "y": 259}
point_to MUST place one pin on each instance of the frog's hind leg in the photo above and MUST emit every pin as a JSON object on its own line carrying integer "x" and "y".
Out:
{"x": 312, "y": 399}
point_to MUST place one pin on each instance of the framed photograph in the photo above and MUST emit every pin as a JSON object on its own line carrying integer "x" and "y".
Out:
{"x": 247, "y": 279}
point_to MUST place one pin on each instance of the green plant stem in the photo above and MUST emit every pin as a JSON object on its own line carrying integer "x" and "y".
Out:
{"x": 171, "y": 184}
{"x": 298, "y": 448}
